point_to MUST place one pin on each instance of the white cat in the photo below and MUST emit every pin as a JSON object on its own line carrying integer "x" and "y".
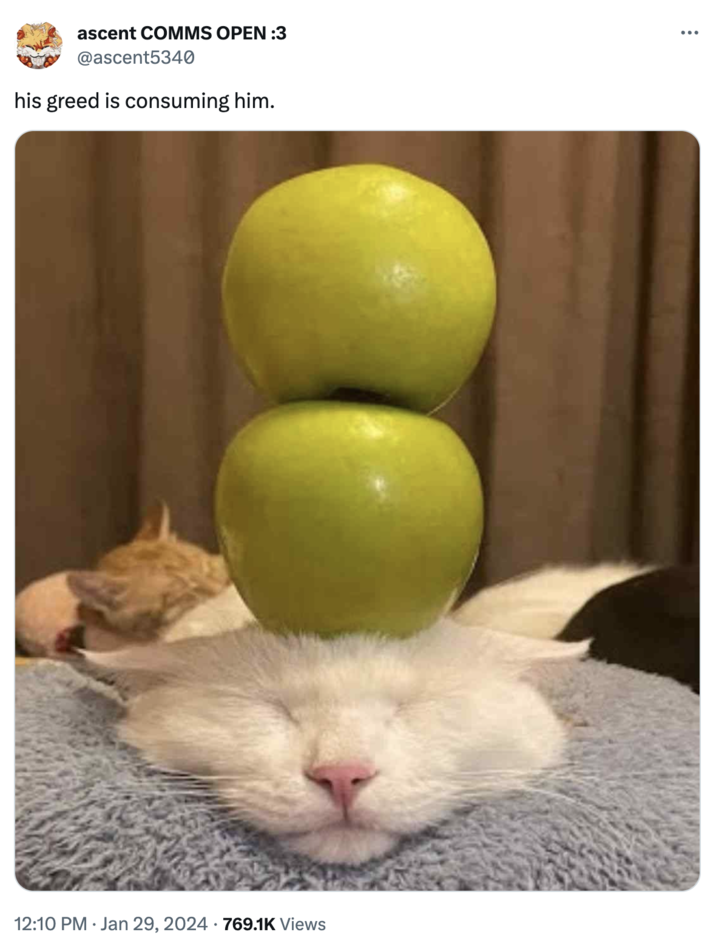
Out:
{"x": 340, "y": 747}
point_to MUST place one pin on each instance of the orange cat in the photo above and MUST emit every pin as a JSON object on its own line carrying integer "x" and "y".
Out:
{"x": 141, "y": 588}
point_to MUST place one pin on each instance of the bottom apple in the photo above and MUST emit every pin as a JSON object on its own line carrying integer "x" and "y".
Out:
{"x": 336, "y": 517}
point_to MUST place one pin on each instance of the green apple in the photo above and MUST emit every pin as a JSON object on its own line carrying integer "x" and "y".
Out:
{"x": 336, "y": 517}
{"x": 361, "y": 277}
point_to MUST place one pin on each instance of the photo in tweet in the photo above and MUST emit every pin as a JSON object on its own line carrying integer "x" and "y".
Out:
{"x": 357, "y": 511}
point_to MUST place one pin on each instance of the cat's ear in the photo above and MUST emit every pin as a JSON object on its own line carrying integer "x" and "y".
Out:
{"x": 528, "y": 651}
{"x": 520, "y": 652}
{"x": 156, "y": 524}
{"x": 98, "y": 590}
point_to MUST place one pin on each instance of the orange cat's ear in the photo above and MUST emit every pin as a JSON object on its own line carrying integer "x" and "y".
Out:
{"x": 155, "y": 525}
{"x": 97, "y": 590}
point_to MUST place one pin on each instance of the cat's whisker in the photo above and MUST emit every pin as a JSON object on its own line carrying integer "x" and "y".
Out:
{"x": 567, "y": 771}
{"x": 595, "y": 812}
{"x": 160, "y": 792}
{"x": 217, "y": 777}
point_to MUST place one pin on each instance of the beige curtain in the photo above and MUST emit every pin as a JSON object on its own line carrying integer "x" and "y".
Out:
{"x": 583, "y": 414}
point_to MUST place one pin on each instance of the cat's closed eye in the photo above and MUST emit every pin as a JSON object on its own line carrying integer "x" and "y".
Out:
{"x": 283, "y": 710}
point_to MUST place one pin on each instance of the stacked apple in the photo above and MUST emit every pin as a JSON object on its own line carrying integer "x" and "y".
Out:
{"x": 360, "y": 298}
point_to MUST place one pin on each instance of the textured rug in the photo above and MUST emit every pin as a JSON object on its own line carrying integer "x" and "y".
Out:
{"x": 624, "y": 814}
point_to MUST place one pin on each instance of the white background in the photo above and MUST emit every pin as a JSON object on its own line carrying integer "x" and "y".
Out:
{"x": 382, "y": 66}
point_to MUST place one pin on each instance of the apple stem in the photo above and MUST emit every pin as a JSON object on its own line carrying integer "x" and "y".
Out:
{"x": 358, "y": 395}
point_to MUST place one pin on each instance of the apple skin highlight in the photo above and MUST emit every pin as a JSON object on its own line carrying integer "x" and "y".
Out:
{"x": 339, "y": 517}
{"x": 360, "y": 277}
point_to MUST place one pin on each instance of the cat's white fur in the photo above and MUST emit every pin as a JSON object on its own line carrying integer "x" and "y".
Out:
{"x": 540, "y": 604}
{"x": 444, "y": 717}
{"x": 219, "y": 614}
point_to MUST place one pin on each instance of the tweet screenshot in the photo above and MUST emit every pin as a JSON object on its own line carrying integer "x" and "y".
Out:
{"x": 354, "y": 395}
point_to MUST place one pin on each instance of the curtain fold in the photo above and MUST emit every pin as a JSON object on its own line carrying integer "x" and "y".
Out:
{"x": 582, "y": 415}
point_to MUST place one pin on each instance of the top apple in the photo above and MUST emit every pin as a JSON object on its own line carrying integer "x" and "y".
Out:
{"x": 360, "y": 280}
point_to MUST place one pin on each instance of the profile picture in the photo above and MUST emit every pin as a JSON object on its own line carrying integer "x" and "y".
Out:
{"x": 39, "y": 45}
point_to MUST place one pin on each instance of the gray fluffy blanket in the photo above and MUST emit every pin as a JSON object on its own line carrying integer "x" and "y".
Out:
{"x": 624, "y": 816}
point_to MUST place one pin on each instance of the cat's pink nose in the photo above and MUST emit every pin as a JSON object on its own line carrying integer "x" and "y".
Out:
{"x": 344, "y": 780}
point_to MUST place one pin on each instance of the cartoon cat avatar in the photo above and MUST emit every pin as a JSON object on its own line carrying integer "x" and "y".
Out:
{"x": 39, "y": 45}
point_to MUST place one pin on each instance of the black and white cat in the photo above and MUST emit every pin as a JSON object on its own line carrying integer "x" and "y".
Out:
{"x": 642, "y": 617}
